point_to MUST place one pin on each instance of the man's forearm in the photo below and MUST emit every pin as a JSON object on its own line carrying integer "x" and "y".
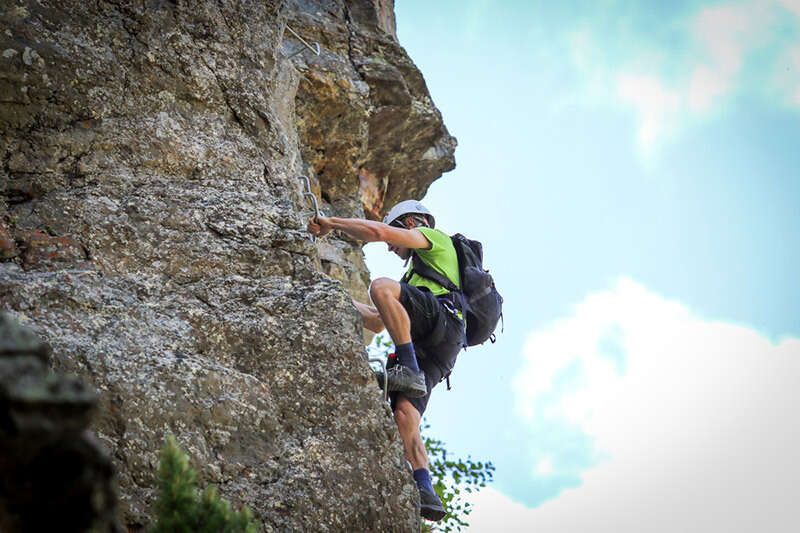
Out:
{"x": 359, "y": 228}
{"x": 372, "y": 319}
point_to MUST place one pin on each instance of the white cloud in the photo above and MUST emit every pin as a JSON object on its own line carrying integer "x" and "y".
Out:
{"x": 791, "y": 5}
{"x": 544, "y": 467}
{"x": 722, "y": 35}
{"x": 697, "y": 420}
{"x": 671, "y": 87}
{"x": 705, "y": 87}
{"x": 494, "y": 512}
{"x": 582, "y": 50}
{"x": 725, "y": 33}
{"x": 656, "y": 106}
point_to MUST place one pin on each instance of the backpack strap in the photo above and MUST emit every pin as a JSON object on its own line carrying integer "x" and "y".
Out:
{"x": 419, "y": 267}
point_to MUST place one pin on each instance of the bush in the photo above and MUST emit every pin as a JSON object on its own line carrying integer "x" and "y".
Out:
{"x": 454, "y": 478}
{"x": 181, "y": 508}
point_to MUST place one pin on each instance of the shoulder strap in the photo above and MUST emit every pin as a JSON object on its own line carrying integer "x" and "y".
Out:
{"x": 419, "y": 267}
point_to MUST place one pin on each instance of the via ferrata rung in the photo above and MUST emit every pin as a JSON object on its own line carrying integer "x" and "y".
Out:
{"x": 307, "y": 193}
{"x": 382, "y": 362}
{"x": 315, "y": 48}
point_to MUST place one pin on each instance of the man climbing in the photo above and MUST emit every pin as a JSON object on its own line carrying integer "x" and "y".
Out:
{"x": 420, "y": 315}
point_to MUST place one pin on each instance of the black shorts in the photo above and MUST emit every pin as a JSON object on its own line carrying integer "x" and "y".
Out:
{"x": 437, "y": 333}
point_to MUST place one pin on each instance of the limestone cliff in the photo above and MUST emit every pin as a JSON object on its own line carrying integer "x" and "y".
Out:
{"x": 152, "y": 231}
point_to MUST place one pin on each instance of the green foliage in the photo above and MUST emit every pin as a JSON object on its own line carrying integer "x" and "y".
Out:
{"x": 182, "y": 509}
{"x": 454, "y": 478}
{"x": 381, "y": 346}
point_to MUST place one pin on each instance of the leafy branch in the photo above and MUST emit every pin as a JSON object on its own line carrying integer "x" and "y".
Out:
{"x": 181, "y": 508}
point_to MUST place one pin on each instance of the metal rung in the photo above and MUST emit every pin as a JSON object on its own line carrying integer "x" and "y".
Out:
{"x": 315, "y": 48}
{"x": 385, "y": 376}
{"x": 307, "y": 193}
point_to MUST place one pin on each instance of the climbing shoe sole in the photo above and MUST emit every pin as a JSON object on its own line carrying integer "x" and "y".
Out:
{"x": 403, "y": 379}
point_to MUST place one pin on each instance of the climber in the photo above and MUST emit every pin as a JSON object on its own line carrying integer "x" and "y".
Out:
{"x": 421, "y": 317}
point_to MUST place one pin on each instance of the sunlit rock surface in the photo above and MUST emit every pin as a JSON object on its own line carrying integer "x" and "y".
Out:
{"x": 152, "y": 231}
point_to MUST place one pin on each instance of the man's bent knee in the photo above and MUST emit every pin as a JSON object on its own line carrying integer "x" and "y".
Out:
{"x": 384, "y": 288}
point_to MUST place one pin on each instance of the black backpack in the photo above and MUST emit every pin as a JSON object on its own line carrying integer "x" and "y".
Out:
{"x": 478, "y": 298}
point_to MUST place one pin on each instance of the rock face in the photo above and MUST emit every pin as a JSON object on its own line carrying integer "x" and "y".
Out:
{"x": 152, "y": 231}
{"x": 48, "y": 458}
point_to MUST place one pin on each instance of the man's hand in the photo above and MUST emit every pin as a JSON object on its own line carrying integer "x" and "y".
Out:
{"x": 319, "y": 226}
{"x": 372, "y": 319}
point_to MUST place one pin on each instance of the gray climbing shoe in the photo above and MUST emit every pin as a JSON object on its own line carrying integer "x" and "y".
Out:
{"x": 403, "y": 379}
{"x": 430, "y": 506}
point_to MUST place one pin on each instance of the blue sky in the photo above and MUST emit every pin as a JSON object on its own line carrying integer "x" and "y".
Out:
{"x": 632, "y": 170}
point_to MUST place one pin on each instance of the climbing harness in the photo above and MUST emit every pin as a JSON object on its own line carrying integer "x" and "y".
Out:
{"x": 315, "y": 48}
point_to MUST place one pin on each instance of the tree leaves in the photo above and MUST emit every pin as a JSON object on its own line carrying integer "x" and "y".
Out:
{"x": 454, "y": 478}
{"x": 182, "y": 509}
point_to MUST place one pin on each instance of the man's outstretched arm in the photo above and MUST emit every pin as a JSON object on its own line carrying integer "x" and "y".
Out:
{"x": 372, "y": 320}
{"x": 369, "y": 231}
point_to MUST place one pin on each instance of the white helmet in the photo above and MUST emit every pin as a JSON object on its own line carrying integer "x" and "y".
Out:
{"x": 408, "y": 207}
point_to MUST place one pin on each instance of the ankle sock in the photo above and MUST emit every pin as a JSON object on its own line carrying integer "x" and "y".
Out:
{"x": 406, "y": 356}
{"x": 423, "y": 479}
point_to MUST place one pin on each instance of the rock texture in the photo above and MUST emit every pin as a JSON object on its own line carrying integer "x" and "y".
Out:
{"x": 369, "y": 132}
{"x": 152, "y": 230}
{"x": 48, "y": 459}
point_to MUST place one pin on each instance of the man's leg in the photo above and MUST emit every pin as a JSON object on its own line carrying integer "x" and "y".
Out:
{"x": 408, "y": 419}
{"x": 405, "y": 377}
{"x": 385, "y": 294}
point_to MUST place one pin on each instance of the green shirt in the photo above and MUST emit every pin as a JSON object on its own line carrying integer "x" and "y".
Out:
{"x": 441, "y": 257}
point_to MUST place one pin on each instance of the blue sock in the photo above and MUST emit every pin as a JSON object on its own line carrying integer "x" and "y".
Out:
{"x": 423, "y": 479}
{"x": 406, "y": 356}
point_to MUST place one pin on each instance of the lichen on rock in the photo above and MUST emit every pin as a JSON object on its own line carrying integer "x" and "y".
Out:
{"x": 152, "y": 231}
